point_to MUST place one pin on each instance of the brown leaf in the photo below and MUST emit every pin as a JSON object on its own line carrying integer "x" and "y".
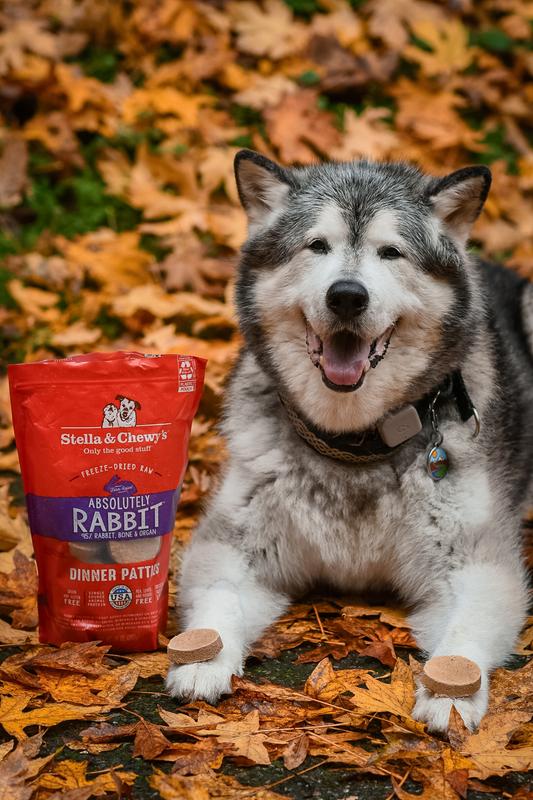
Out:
{"x": 19, "y": 766}
{"x": 457, "y": 730}
{"x": 270, "y": 32}
{"x": 511, "y": 688}
{"x": 18, "y": 591}
{"x": 448, "y": 41}
{"x": 83, "y": 657}
{"x": 71, "y": 776}
{"x": 105, "y": 733}
{"x": 299, "y": 129}
{"x": 14, "y": 718}
{"x": 487, "y": 747}
{"x": 9, "y": 635}
{"x": 383, "y": 651}
{"x": 203, "y": 787}
{"x": 244, "y": 737}
{"x": 196, "y": 759}
{"x": 395, "y": 698}
{"x": 296, "y": 752}
{"x": 13, "y": 168}
{"x": 13, "y": 527}
{"x": 107, "y": 689}
{"x": 149, "y": 740}
{"x": 150, "y": 663}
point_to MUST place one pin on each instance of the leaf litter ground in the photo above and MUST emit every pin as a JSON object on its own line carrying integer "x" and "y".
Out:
{"x": 119, "y": 228}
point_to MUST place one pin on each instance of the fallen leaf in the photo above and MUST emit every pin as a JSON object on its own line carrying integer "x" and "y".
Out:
{"x": 19, "y": 766}
{"x": 299, "y": 129}
{"x": 269, "y": 31}
{"x": 149, "y": 740}
{"x": 13, "y": 171}
{"x": 202, "y": 787}
{"x": 487, "y": 747}
{"x": 14, "y": 718}
{"x": 296, "y": 752}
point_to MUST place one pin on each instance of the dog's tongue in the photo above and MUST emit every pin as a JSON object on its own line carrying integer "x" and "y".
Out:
{"x": 343, "y": 358}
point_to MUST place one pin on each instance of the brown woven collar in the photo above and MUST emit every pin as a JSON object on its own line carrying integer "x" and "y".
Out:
{"x": 367, "y": 446}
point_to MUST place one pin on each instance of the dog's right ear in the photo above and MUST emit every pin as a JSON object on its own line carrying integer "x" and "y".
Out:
{"x": 119, "y": 397}
{"x": 262, "y": 184}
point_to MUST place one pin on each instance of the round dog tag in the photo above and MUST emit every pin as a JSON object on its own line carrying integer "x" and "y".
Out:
{"x": 437, "y": 463}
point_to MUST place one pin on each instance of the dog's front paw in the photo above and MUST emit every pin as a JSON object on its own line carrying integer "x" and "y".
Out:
{"x": 206, "y": 680}
{"x": 435, "y": 711}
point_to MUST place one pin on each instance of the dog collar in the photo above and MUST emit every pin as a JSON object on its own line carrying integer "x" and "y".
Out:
{"x": 394, "y": 430}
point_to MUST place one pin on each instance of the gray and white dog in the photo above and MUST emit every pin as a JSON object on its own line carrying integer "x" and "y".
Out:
{"x": 350, "y": 266}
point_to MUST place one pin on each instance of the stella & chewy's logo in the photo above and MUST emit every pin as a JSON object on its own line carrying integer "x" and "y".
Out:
{"x": 186, "y": 374}
{"x": 120, "y": 597}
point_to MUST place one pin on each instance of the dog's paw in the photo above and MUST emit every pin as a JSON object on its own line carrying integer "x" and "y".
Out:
{"x": 435, "y": 711}
{"x": 206, "y": 680}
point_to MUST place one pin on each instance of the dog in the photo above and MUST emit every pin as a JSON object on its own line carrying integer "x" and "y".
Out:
{"x": 127, "y": 411}
{"x": 110, "y": 419}
{"x": 379, "y": 420}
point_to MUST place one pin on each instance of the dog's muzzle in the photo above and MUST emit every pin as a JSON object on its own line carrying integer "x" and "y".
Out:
{"x": 345, "y": 358}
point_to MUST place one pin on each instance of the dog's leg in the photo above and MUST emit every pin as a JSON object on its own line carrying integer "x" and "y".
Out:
{"x": 220, "y": 590}
{"x": 478, "y": 616}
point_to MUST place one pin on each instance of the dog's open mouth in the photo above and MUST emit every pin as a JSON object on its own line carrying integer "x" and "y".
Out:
{"x": 344, "y": 358}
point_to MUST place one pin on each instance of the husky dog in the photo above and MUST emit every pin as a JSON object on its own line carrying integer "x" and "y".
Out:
{"x": 370, "y": 335}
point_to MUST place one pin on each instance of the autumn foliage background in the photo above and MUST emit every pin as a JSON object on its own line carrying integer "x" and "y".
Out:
{"x": 119, "y": 228}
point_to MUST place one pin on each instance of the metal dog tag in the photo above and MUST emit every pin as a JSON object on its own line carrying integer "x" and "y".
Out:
{"x": 400, "y": 426}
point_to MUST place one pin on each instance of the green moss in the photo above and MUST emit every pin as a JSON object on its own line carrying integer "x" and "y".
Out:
{"x": 493, "y": 39}
{"x": 98, "y": 62}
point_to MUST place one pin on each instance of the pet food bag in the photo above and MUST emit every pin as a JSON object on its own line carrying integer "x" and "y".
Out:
{"x": 102, "y": 441}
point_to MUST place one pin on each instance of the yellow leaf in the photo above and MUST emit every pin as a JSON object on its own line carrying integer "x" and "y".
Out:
{"x": 450, "y": 51}
{"x": 114, "y": 260}
{"x": 204, "y": 787}
{"x": 14, "y": 719}
{"x": 36, "y": 303}
{"x": 366, "y": 136}
{"x": 268, "y": 31}
{"x": 76, "y": 335}
{"x": 153, "y": 299}
{"x": 487, "y": 747}
{"x": 394, "y": 698}
{"x": 163, "y": 101}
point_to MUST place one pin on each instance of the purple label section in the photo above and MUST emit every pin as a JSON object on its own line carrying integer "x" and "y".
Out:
{"x": 88, "y": 519}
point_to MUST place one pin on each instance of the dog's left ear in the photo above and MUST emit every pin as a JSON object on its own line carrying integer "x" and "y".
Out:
{"x": 137, "y": 405}
{"x": 262, "y": 184}
{"x": 458, "y": 198}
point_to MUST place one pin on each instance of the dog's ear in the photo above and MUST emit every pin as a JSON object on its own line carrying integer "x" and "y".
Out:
{"x": 119, "y": 397}
{"x": 262, "y": 184}
{"x": 458, "y": 198}
{"x": 137, "y": 405}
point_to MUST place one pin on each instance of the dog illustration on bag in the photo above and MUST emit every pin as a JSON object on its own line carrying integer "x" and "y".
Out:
{"x": 110, "y": 416}
{"x": 122, "y": 416}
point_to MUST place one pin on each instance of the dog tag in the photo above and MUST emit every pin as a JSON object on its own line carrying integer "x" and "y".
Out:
{"x": 400, "y": 426}
{"x": 437, "y": 463}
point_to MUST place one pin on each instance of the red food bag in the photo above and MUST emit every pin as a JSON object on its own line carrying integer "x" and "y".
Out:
{"x": 102, "y": 441}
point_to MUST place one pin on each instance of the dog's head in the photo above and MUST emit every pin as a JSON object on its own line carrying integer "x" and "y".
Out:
{"x": 110, "y": 412}
{"x": 127, "y": 407}
{"x": 350, "y": 266}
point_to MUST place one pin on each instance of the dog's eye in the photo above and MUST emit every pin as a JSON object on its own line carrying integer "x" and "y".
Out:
{"x": 318, "y": 246}
{"x": 389, "y": 253}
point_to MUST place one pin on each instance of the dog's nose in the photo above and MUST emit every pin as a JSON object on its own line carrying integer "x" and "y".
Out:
{"x": 347, "y": 299}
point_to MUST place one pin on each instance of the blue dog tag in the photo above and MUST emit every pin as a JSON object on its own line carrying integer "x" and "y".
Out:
{"x": 437, "y": 463}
